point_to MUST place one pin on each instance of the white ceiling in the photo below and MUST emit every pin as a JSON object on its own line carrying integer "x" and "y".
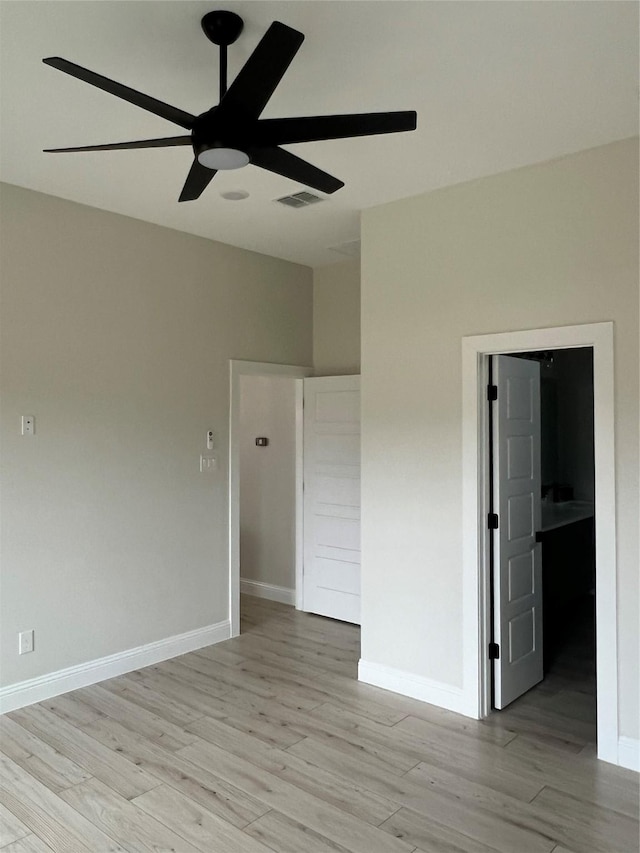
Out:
{"x": 496, "y": 85}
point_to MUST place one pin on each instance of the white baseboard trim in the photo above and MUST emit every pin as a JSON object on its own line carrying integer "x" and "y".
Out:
{"x": 629, "y": 753}
{"x": 283, "y": 594}
{"x": 72, "y": 678}
{"x": 417, "y": 687}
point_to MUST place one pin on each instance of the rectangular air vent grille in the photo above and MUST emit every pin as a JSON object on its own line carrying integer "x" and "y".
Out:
{"x": 301, "y": 199}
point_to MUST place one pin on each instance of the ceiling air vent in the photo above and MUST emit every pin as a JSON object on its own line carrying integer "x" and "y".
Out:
{"x": 301, "y": 199}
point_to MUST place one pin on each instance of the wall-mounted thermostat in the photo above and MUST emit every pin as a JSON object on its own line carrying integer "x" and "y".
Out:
{"x": 262, "y": 442}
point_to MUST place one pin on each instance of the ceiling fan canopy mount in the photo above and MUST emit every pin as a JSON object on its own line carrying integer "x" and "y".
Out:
{"x": 222, "y": 27}
{"x": 232, "y": 134}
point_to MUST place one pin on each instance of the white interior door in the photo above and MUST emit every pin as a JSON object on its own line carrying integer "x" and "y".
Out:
{"x": 517, "y": 556}
{"x": 331, "y": 571}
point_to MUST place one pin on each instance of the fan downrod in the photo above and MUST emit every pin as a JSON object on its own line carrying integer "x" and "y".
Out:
{"x": 222, "y": 27}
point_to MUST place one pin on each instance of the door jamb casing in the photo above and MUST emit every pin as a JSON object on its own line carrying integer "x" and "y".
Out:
{"x": 475, "y": 352}
{"x": 237, "y": 369}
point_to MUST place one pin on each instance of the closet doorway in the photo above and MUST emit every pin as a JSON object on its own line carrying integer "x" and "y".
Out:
{"x": 542, "y": 548}
{"x": 477, "y": 537}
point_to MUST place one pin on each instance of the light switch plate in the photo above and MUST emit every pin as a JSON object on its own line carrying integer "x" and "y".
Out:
{"x": 208, "y": 464}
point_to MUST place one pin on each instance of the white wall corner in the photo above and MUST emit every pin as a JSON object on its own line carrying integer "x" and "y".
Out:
{"x": 629, "y": 753}
{"x": 74, "y": 677}
{"x": 445, "y": 696}
{"x": 283, "y": 594}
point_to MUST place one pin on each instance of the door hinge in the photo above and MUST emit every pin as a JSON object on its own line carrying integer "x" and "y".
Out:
{"x": 492, "y": 521}
{"x": 492, "y": 392}
{"x": 494, "y": 651}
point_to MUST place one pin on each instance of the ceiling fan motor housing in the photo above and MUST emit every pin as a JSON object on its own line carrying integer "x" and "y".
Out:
{"x": 206, "y": 136}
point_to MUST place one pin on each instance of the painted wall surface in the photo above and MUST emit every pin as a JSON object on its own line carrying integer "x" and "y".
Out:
{"x": 268, "y": 480}
{"x": 336, "y": 319}
{"x": 117, "y": 335}
{"x": 549, "y": 245}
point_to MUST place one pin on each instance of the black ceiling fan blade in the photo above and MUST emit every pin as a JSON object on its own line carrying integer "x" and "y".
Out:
{"x": 284, "y": 163}
{"x": 167, "y": 142}
{"x": 197, "y": 181}
{"x": 286, "y": 131}
{"x": 146, "y": 102}
{"x": 256, "y": 82}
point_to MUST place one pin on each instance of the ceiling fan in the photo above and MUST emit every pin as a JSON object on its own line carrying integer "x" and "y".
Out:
{"x": 232, "y": 134}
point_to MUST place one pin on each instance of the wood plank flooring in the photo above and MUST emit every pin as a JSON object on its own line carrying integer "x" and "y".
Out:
{"x": 268, "y": 743}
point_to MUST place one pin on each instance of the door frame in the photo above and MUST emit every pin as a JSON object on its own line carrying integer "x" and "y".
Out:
{"x": 476, "y": 593}
{"x": 238, "y": 369}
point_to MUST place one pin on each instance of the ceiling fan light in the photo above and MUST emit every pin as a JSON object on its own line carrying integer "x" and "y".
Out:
{"x": 223, "y": 158}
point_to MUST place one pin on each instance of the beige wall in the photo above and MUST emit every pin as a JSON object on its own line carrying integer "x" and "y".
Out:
{"x": 336, "y": 318}
{"x": 549, "y": 245}
{"x": 268, "y": 480}
{"x": 116, "y": 335}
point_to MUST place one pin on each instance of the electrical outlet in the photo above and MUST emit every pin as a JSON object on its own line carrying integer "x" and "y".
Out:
{"x": 25, "y": 642}
{"x": 28, "y": 425}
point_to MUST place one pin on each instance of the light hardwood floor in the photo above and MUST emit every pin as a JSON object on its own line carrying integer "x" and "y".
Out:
{"x": 268, "y": 743}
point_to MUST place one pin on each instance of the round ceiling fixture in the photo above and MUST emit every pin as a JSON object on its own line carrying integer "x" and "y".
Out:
{"x": 235, "y": 195}
{"x": 223, "y": 158}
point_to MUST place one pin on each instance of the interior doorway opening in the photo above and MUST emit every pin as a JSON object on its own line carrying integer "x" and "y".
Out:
{"x": 547, "y": 633}
{"x": 268, "y": 487}
{"x": 249, "y": 407}
{"x": 320, "y": 520}
{"x": 476, "y": 351}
